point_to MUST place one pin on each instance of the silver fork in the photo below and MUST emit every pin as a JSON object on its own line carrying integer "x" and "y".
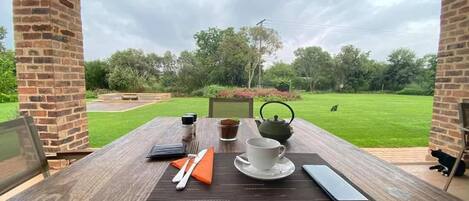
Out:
{"x": 192, "y": 149}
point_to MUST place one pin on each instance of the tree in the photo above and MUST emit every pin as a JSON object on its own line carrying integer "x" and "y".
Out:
{"x": 144, "y": 65}
{"x": 312, "y": 63}
{"x": 402, "y": 69}
{"x": 207, "y": 42}
{"x": 7, "y": 72}
{"x": 263, "y": 42}
{"x": 377, "y": 71}
{"x": 7, "y": 67}
{"x": 350, "y": 68}
{"x": 280, "y": 75}
{"x": 3, "y": 33}
{"x": 169, "y": 69}
{"x": 223, "y": 54}
{"x": 189, "y": 78}
{"x": 234, "y": 52}
{"x": 95, "y": 74}
{"x": 125, "y": 79}
{"x": 425, "y": 77}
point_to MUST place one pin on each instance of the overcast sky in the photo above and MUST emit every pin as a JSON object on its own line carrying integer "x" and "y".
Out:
{"x": 378, "y": 26}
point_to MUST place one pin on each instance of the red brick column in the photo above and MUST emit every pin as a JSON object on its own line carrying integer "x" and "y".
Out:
{"x": 452, "y": 77}
{"x": 50, "y": 71}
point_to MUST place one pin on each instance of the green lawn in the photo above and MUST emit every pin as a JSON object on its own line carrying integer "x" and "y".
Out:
{"x": 366, "y": 120}
{"x": 8, "y": 111}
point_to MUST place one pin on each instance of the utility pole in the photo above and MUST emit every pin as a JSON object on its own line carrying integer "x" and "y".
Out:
{"x": 259, "y": 83}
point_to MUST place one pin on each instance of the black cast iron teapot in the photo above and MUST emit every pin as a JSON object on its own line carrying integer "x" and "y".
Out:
{"x": 277, "y": 129}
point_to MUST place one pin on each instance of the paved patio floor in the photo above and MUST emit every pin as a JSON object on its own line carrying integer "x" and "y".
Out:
{"x": 412, "y": 160}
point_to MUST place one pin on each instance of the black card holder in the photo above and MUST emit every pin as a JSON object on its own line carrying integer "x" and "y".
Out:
{"x": 166, "y": 151}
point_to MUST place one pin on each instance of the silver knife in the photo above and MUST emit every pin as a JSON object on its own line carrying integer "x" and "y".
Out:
{"x": 182, "y": 184}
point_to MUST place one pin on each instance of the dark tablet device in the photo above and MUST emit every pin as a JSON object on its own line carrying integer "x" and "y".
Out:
{"x": 167, "y": 151}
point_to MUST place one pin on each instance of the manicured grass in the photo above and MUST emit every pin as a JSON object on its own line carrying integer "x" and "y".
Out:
{"x": 8, "y": 111}
{"x": 366, "y": 120}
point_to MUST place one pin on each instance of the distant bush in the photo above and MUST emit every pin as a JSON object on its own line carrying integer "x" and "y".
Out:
{"x": 282, "y": 86}
{"x": 152, "y": 85}
{"x": 8, "y": 98}
{"x": 213, "y": 90}
{"x": 414, "y": 89}
{"x": 91, "y": 94}
{"x": 210, "y": 91}
{"x": 264, "y": 94}
{"x": 125, "y": 79}
{"x": 198, "y": 92}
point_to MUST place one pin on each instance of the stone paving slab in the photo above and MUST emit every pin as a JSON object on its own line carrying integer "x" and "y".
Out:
{"x": 114, "y": 106}
{"x": 410, "y": 155}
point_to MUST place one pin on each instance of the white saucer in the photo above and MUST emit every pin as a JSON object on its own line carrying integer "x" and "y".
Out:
{"x": 282, "y": 169}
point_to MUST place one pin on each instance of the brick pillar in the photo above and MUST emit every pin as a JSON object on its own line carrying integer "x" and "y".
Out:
{"x": 50, "y": 70}
{"x": 452, "y": 77}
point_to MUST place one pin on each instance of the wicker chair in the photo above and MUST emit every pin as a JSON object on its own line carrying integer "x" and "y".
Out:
{"x": 464, "y": 121}
{"x": 225, "y": 108}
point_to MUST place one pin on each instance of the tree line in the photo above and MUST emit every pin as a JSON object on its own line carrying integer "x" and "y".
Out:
{"x": 231, "y": 57}
{"x": 235, "y": 57}
{"x": 7, "y": 71}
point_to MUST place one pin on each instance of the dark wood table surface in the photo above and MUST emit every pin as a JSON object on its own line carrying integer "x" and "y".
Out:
{"x": 120, "y": 171}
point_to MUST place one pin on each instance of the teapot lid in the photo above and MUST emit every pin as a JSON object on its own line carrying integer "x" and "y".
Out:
{"x": 277, "y": 120}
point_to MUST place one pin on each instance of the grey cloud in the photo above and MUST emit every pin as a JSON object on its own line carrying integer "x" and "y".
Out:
{"x": 375, "y": 25}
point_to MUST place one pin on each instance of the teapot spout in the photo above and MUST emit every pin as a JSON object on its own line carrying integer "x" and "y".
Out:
{"x": 258, "y": 122}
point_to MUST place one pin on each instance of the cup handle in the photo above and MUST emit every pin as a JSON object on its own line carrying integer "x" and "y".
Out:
{"x": 284, "y": 150}
{"x": 242, "y": 160}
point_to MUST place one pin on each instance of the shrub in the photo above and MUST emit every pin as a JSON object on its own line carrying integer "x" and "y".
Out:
{"x": 125, "y": 79}
{"x": 198, "y": 92}
{"x": 414, "y": 89}
{"x": 265, "y": 94}
{"x": 282, "y": 85}
{"x": 212, "y": 90}
{"x": 152, "y": 85}
{"x": 8, "y": 98}
{"x": 91, "y": 94}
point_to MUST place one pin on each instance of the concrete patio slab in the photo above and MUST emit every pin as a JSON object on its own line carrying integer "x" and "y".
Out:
{"x": 459, "y": 186}
{"x": 410, "y": 155}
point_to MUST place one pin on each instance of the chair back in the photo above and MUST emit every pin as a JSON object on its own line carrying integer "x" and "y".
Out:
{"x": 21, "y": 153}
{"x": 464, "y": 119}
{"x": 230, "y": 107}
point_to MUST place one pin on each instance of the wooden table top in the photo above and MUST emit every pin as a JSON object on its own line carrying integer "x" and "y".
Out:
{"x": 120, "y": 171}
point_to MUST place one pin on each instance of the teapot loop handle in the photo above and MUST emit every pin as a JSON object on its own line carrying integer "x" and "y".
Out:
{"x": 279, "y": 102}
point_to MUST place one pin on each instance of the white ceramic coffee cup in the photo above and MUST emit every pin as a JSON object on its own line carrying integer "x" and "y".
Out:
{"x": 263, "y": 153}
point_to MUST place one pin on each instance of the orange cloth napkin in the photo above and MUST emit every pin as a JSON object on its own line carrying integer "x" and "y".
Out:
{"x": 203, "y": 171}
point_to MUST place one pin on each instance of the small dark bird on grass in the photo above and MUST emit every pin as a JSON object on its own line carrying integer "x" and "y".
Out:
{"x": 334, "y": 108}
